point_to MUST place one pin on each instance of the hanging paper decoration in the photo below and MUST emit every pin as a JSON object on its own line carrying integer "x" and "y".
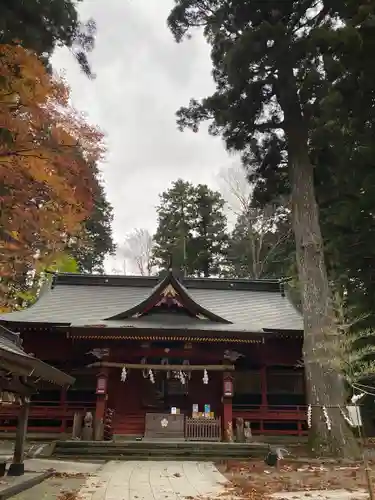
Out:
{"x": 144, "y": 371}
{"x": 347, "y": 418}
{"x": 186, "y": 362}
{"x": 182, "y": 378}
{"x": 165, "y": 361}
{"x": 327, "y": 419}
{"x": 309, "y": 416}
{"x": 205, "y": 377}
{"x": 151, "y": 375}
{"x": 124, "y": 374}
{"x": 357, "y": 397}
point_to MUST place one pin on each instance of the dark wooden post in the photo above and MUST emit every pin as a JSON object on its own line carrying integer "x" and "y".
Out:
{"x": 17, "y": 467}
{"x": 263, "y": 382}
{"x": 264, "y": 389}
{"x": 63, "y": 395}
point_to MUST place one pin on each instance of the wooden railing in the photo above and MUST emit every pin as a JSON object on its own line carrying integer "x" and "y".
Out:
{"x": 271, "y": 412}
{"x": 203, "y": 429}
{"x": 263, "y": 416}
{"x": 54, "y": 417}
{"x": 59, "y": 415}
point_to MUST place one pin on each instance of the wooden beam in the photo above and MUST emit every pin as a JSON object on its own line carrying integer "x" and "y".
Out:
{"x": 17, "y": 386}
{"x": 140, "y": 366}
{"x": 199, "y": 356}
{"x": 15, "y": 368}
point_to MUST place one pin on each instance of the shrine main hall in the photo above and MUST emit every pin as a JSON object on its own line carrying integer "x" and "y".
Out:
{"x": 167, "y": 356}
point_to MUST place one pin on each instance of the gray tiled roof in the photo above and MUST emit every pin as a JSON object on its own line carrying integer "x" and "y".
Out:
{"x": 9, "y": 341}
{"x": 11, "y": 350}
{"x": 89, "y": 304}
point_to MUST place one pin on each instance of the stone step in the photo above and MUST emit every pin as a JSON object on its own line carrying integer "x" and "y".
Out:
{"x": 155, "y": 452}
{"x": 161, "y": 444}
{"x": 135, "y": 457}
{"x": 158, "y": 450}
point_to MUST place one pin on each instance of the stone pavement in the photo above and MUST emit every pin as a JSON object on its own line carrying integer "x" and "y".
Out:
{"x": 154, "y": 481}
{"x": 39, "y": 465}
{"x": 177, "y": 481}
{"x": 56, "y": 487}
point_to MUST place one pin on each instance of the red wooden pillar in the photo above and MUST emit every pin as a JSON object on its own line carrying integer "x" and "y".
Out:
{"x": 264, "y": 389}
{"x": 299, "y": 428}
{"x": 101, "y": 401}
{"x": 227, "y": 406}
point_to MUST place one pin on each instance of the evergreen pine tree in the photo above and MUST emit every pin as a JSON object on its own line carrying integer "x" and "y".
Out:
{"x": 191, "y": 230}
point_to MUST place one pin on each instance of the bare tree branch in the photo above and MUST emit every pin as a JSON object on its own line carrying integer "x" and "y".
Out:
{"x": 260, "y": 222}
{"x": 137, "y": 249}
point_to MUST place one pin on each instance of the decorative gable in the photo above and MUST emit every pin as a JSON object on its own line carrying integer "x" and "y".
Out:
{"x": 170, "y": 296}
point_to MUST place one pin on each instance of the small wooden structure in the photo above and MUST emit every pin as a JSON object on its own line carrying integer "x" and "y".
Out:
{"x": 164, "y": 425}
{"x": 19, "y": 376}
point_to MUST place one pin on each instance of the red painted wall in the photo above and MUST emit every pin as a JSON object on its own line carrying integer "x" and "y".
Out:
{"x": 128, "y": 398}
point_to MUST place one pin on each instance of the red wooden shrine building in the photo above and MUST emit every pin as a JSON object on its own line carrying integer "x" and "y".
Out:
{"x": 164, "y": 351}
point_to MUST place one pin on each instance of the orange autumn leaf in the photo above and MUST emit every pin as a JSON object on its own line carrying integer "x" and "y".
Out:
{"x": 47, "y": 153}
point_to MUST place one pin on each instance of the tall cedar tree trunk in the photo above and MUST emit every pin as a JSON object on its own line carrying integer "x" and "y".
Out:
{"x": 325, "y": 385}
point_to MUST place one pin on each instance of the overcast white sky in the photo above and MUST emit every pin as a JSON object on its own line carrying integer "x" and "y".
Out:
{"x": 143, "y": 77}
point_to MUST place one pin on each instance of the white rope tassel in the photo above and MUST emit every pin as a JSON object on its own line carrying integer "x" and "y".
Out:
{"x": 326, "y": 416}
{"x": 205, "y": 377}
{"x": 124, "y": 374}
{"x": 309, "y": 416}
{"x": 151, "y": 375}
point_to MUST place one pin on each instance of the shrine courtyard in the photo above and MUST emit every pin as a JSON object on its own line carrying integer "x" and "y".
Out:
{"x": 194, "y": 480}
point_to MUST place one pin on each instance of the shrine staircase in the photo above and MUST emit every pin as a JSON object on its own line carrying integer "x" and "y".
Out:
{"x": 129, "y": 424}
{"x": 157, "y": 450}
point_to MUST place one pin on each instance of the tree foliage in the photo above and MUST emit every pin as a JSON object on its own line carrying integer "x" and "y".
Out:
{"x": 281, "y": 69}
{"x": 96, "y": 241}
{"x": 47, "y": 149}
{"x": 191, "y": 230}
{"x": 41, "y": 275}
{"x": 43, "y": 25}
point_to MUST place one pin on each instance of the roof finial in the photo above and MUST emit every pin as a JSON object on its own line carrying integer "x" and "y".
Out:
{"x": 170, "y": 262}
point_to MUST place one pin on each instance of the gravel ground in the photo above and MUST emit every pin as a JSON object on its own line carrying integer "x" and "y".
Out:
{"x": 253, "y": 479}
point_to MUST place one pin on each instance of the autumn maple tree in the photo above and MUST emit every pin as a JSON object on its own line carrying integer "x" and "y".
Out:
{"x": 47, "y": 149}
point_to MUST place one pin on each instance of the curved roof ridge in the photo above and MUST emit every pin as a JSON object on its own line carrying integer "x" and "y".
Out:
{"x": 154, "y": 297}
{"x": 45, "y": 289}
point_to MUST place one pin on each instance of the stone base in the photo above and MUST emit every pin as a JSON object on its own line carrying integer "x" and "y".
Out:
{"x": 16, "y": 469}
{"x": 271, "y": 459}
